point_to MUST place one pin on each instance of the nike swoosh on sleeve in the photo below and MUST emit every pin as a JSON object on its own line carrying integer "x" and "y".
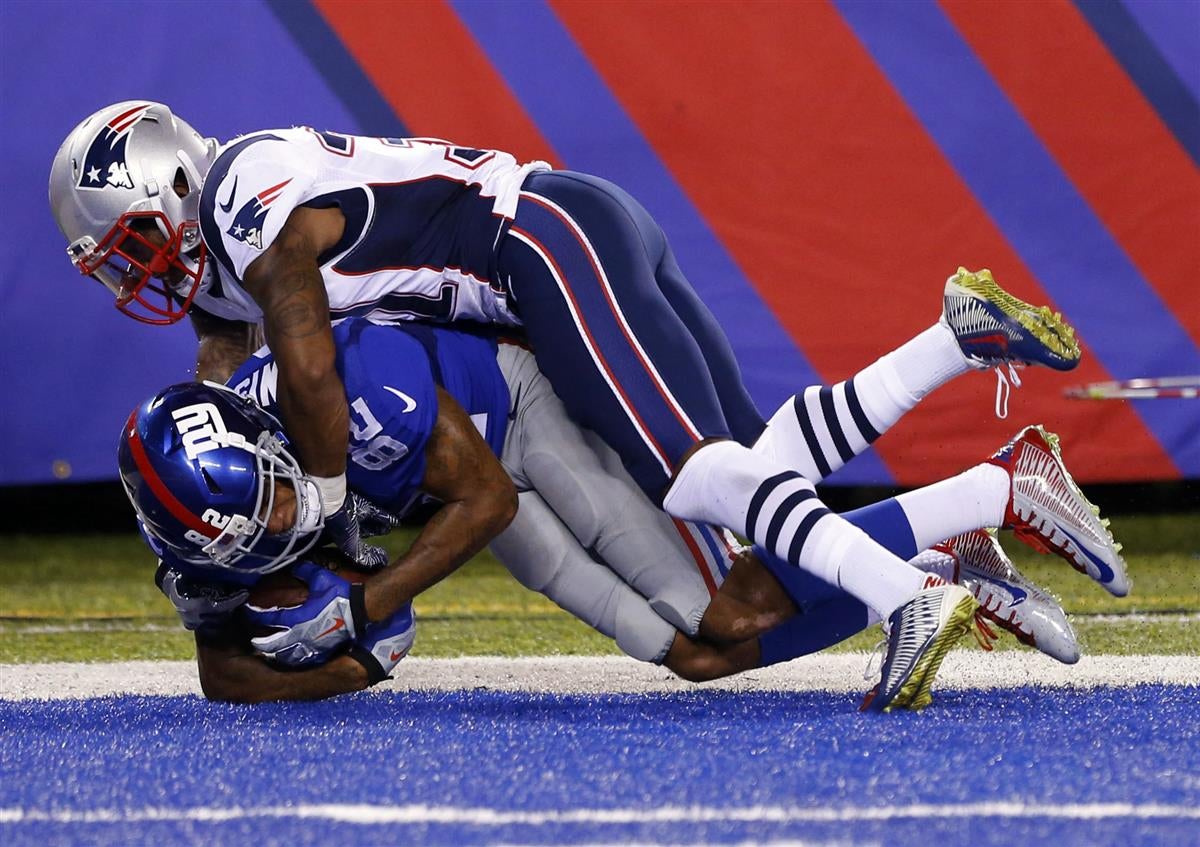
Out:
{"x": 225, "y": 207}
{"x": 409, "y": 403}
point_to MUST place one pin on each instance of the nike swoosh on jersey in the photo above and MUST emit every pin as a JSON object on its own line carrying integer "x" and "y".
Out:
{"x": 225, "y": 207}
{"x": 409, "y": 403}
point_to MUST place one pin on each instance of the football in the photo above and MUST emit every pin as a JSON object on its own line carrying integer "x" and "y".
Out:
{"x": 281, "y": 588}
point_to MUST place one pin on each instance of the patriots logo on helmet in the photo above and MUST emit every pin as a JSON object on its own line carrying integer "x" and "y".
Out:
{"x": 104, "y": 165}
{"x": 248, "y": 223}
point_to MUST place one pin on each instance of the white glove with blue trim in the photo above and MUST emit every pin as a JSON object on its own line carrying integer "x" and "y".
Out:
{"x": 308, "y": 634}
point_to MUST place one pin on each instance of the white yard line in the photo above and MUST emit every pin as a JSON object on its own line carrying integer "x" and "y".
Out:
{"x": 31, "y": 628}
{"x": 482, "y": 816}
{"x": 1139, "y": 618}
{"x": 87, "y": 626}
{"x": 840, "y": 672}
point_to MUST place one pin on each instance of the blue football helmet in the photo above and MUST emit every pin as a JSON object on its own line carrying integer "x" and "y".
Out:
{"x": 202, "y": 467}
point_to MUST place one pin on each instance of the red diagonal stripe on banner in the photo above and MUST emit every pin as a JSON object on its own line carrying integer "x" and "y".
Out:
{"x": 1103, "y": 134}
{"x": 432, "y": 72}
{"x": 830, "y": 194}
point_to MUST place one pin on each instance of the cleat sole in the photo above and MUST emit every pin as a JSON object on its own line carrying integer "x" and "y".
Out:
{"x": 1046, "y": 326}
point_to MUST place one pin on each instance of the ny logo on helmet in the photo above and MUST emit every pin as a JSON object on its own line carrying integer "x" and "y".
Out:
{"x": 104, "y": 165}
{"x": 248, "y": 223}
{"x": 201, "y": 428}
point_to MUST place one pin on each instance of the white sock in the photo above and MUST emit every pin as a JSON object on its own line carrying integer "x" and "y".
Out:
{"x": 899, "y": 380}
{"x": 817, "y": 431}
{"x": 729, "y": 485}
{"x": 975, "y": 499}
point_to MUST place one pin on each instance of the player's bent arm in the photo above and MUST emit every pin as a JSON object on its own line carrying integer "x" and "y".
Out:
{"x": 223, "y": 344}
{"x": 479, "y": 501}
{"x": 285, "y": 282}
{"x": 230, "y": 672}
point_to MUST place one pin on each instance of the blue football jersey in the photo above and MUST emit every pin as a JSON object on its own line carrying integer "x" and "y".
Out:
{"x": 391, "y": 374}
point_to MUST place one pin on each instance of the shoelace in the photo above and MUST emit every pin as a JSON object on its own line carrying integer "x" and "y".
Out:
{"x": 984, "y": 634}
{"x": 1003, "y": 389}
{"x": 874, "y": 670}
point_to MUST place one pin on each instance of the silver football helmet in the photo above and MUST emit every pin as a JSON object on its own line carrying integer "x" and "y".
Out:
{"x": 125, "y": 191}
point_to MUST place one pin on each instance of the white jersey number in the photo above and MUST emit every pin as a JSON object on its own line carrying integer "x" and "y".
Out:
{"x": 377, "y": 450}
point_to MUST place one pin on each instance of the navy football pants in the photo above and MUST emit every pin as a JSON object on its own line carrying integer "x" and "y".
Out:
{"x": 616, "y": 327}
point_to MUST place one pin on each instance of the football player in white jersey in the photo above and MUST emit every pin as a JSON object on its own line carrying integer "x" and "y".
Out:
{"x": 291, "y": 226}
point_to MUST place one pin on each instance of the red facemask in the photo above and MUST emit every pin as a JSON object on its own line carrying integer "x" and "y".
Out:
{"x": 151, "y": 281}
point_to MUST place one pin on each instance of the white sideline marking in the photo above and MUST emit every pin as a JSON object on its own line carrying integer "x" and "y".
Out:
{"x": 479, "y": 816}
{"x": 11, "y": 625}
{"x": 839, "y": 672}
{"x": 87, "y": 626}
{"x": 1139, "y": 618}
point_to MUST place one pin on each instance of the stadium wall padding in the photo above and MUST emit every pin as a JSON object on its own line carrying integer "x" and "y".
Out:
{"x": 820, "y": 168}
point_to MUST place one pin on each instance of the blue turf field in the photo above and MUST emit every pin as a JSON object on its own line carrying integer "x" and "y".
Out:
{"x": 487, "y": 767}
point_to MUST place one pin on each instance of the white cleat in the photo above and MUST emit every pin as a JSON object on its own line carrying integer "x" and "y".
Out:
{"x": 1008, "y": 599}
{"x": 919, "y": 635}
{"x": 1047, "y": 511}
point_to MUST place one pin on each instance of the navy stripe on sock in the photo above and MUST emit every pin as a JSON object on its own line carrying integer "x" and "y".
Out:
{"x": 802, "y": 532}
{"x": 781, "y": 515}
{"x": 860, "y": 417}
{"x": 810, "y": 437}
{"x": 835, "y": 425}
{"x": 764, "y": 491}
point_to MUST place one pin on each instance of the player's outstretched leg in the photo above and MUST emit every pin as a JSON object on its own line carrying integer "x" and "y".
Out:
{"x": 823, "y": 427}
{"x": 1048, "y": 512}
{"x": 582, "y": 256}
{"x": 726, "y": 484}
{"x": 820, "y": 429}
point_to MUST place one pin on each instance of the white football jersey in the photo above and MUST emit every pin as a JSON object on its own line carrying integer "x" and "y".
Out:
{"x": 423, "y": 221}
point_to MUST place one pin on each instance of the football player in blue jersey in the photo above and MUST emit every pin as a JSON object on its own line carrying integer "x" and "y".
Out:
{"x": 291, "y": 226}
{"x": 584, "y": 534}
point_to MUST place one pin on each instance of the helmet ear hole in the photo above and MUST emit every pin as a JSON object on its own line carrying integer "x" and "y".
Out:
{"x": 182, "y": 189}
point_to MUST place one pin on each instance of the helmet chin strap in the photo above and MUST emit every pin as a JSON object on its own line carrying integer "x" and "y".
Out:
{"x": 205, "y": 276}
{"x": 195, "y": 173}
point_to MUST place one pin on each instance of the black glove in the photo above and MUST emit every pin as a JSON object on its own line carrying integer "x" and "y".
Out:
{"x": 372, "y": 520}
{"x": 344, "y": 529}
{"x": 201, "y": 607}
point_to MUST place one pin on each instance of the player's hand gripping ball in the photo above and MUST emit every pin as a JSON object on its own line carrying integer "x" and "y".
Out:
{"x": 305, "y": 613}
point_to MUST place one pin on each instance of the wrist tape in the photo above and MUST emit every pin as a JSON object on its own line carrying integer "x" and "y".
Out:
{"x": 333, "y": 492}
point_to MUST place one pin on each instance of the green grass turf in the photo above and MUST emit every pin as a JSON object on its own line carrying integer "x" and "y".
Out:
{"x": 92, "y": 598}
